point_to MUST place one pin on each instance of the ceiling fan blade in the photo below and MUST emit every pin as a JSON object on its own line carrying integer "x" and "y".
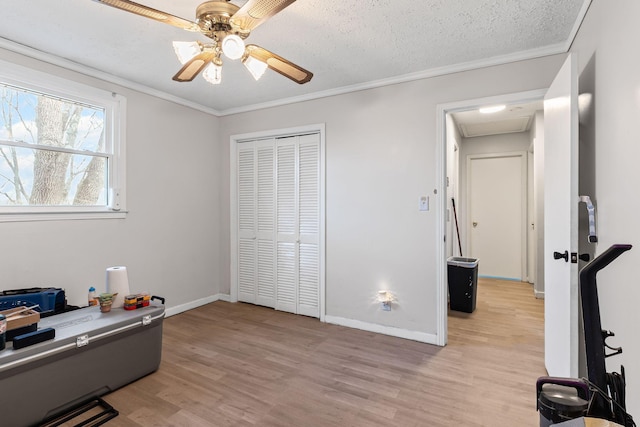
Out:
{"x": 279, "y": 64}
{"x": 149, "y": 12}
{"x": 193, "y": 67}
{"x": 255, "y": 12}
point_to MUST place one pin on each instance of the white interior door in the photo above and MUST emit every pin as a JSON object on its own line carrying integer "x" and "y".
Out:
{"x": 287, "y": 225}
{"x": 298, "y": 224}
{"x": 497, "y": 207}
{"x": 246, "y": 223}
{"x": 256, "y": 205}
{"x": 561, "y": 222}
{"x": 265, "y": 223}
{"x": 309, "y": 225}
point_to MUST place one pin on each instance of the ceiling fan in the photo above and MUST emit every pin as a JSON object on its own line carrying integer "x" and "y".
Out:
{"x": 227, "y": 25}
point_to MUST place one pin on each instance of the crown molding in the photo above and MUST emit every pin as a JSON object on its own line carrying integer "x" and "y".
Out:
{"x": 67, "y": 64}
{"x": 577, "y": 24}
{"x": 420, "y": 75}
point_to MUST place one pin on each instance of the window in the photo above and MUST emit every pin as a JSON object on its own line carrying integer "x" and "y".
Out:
{"x": 61, "y": 148}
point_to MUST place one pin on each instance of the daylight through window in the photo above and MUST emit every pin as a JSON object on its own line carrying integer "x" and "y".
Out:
{"x": 57, "y": 153}
{"x": 51, "y": 151}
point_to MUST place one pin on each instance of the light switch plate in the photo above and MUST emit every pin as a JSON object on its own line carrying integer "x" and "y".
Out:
{"x": 424, "y": 203}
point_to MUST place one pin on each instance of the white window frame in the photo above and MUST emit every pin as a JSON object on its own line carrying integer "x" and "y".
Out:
{"x": 115, "y": 108}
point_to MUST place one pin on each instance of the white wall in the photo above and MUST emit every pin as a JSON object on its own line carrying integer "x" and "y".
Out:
{"x": 607, "y": 40}
{"x": 169, "y": 239}
{"x": 491, "y": 144}
{"x": 381, "y": 147}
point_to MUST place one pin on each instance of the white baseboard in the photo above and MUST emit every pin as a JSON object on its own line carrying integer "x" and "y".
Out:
{"x": 195, "y": 304}
{"x": 350, "y": 323}
{"x": 224, "y": 297}
{"x": 539, "y": 294}
{"x": 381, "y": 329}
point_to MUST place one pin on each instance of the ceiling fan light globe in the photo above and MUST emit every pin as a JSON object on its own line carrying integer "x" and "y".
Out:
{"x": 186, "y": 50}
{"x": 213, "y": 74}
{"x": 233, "y": 46}
{"x": 255, "y": 66}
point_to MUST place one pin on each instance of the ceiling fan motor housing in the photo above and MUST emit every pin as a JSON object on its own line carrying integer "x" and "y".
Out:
{"x": 226, "y": 24}
{"x": 214, "y": 19}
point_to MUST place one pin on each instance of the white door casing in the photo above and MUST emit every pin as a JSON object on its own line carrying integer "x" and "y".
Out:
{"x": 531, "y": 220}
{"x": 561, "y": 222}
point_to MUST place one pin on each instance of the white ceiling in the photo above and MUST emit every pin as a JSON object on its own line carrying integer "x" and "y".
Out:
{"x": 348, "y": 45}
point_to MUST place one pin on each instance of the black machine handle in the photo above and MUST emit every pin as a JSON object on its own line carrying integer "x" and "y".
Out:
{"x": 581, "y": 387}
{"x": 601, "y": 261}
{"x": 594, "y": 335}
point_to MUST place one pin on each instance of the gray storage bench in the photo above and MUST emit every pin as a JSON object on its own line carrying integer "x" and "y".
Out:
{"x": 92, "y": 354}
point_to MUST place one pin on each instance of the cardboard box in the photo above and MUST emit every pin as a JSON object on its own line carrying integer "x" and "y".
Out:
{"x": 25, "y": 318}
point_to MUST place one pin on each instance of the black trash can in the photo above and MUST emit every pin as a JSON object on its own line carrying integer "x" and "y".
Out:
{"x": 463, "y": 283}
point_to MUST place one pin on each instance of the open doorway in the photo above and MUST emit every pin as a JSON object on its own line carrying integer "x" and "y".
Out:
{"x": 461, "y": 126}
{"x": 560, "y": 234}
{"x": 495, "y": 187}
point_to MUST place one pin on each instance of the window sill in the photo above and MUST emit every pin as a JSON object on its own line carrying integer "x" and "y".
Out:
{"x": 60, "y": 216}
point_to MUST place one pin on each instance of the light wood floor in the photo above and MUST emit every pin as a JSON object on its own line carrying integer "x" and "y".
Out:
{"x": 241, "y": 365}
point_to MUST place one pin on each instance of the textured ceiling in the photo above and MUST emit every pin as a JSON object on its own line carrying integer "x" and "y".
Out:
{"x": 346, "y": 44}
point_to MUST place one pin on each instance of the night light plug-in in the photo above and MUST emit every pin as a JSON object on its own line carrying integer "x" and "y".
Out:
{"x": 385, "y": 298}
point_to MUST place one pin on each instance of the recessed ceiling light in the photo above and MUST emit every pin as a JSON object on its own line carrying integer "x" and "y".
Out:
{"x": 492, "y": 109}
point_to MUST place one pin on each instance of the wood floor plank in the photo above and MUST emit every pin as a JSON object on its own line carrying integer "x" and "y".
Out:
{"x": 239, "y": 365}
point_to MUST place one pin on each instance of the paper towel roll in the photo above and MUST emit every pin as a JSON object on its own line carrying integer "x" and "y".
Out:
{"x": 118, "y": 282}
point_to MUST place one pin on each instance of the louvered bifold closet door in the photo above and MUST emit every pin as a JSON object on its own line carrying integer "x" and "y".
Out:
{"x": 309, "y": 225}
{"x": 298, "y": 224}
{"x": 279, "y": 223}
{"x": 256, "y": 222}
{"x": 247, "y": 249}
{"x": 265, "y": 226}
{"x": 286, "y": 224}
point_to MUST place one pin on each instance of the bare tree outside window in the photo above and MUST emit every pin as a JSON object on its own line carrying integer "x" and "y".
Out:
{"x": 52, "y": 151}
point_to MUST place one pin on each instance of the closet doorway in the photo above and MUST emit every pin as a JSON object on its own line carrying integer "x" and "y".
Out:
{"x": 277, "y": 219}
